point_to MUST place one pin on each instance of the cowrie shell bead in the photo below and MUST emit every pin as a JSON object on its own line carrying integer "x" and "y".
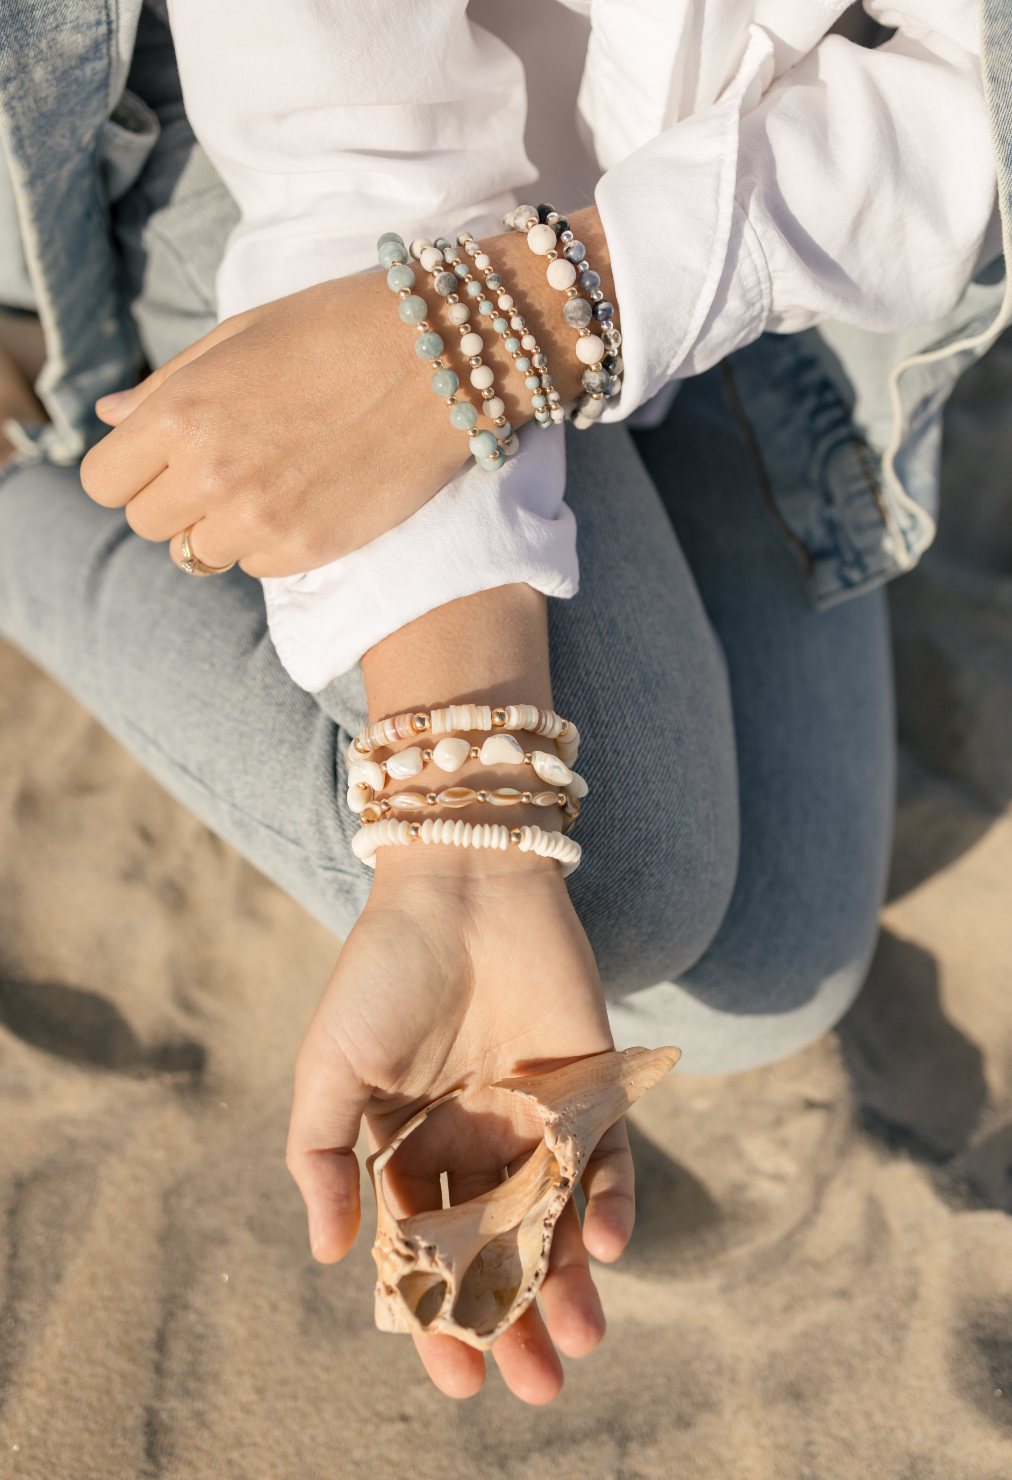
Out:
{"x": 541, "y": 239}
{"x": 590, "y": 350}
{"x": 578, "y": 788}
{"x": 548, "y": 767}
{"x": 456, "y": 796}
{"x": 545, "y": 799}
{"x": 408, "y": 799}
{"x": 561, "y": 274}
{"x": 502, "y": 750}
{"x": 450, "y": 754}
{"x": 472, "y": 344}
{"x": 366, "y": 773}
{"x": 406, "y": 763}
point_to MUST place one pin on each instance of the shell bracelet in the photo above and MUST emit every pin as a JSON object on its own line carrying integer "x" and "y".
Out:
{"x": 458, "y": 834}
{"x": 468, "y": 717}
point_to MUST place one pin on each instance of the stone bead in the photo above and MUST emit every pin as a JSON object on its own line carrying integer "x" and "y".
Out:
{"x": 430, "y": 257}
{"x": 577, "y": 788}
{"x": 444, "y": 283}
{"x": 548, "y": 767}
{"x": 449, "y": 252}
{"x": 539, "y": 361}
{"x": 561, "y": 274}
{"x": 391, "y": 252}
{"x": 485, "y": 308}
{"x": 528, "y": 342}
{"x": 359, "y": 796}
{"x": 545, "y": 210}
{"x": 574, "y": 251}
{"x": 589, "y": 350}
{"x": 538, "y": 402}
{"x": 502, "y": 750}
{"x": 463, "y": 416}
{"x": 482, "y": 261}
{"x": 405, "y": 763}
{"x": 614, "y": 386}
{"x": 451, "y": 753}
{"x": 406, "y": 801}
{"x": 545, "y": 799}
{"x": 540, "y": 239}
{"x": 429, "y": 346}
{"x": 543, "y": 418}
{"x": 473, "y": 290}
{"x": 482, "y": 377}
{"x": 614, "y": 364}
{"x": 494, "y": 407}
{"x": 504, "y": 796}
{"x": 561, "y": 225}
{"x": 523, "y": 364}
{"x": 418, "y": 246}
{"x": 493, "y": 282}
{"x": 500, "y": 325}
{"x": 505, "y": 301}
{"x": 366, "y": 773}
{"x": 589, "y": 281}
{"x": 603, "y": 311}
{"x": 595, "y": 381}
{"x": 460, "y": 270}
{"x": 400, "y": 277}
{"x": 511, "y": 447}
{"x": 457, "y": 313}
{"x": 441, "y": 243}
{"x": 518, "y": 321}
{"x": 492, "y": 464}
{"x": 577, "y": 313}
{"x": 512, "y": 345}
{"x": 456, "y": 796}
{"x": 444, "y": 383}
{"x": 483, "y": 445}
{"x": 591, "y": 409}
{"x": 558, "y": 415}
{"x": 388, "y": 236}
{"x": 505, "y": 432}
{"x": 412, "y": 310}
{"x": 532, "y": 382}
{"x": 471, "y": 344}
{"x": 517, "y": 219}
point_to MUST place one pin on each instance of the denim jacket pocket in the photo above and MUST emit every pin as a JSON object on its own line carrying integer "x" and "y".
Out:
{"x": 125, "y": 142}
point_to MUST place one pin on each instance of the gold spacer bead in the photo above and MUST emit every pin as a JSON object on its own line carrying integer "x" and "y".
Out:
{"x": 526, "y": 796}
{"x": 426, "y": 755}
{"x": 452, "y": 298}
{"x": 419, "y": 723}
{"x": 474, "y": 361}
{"x": 481, "y": 796}
{"x": 463, "y": 329}
{"x": 565, "y": 726}
{"x": 500, "y": 421}
{"x": 404, "y": 293}
{"x": 561, "y": 798}
{"x": 422, "y": 327}
{"x": 529, "y": 758}
{"x": 551, "y": 256}
{"x": 572, "y": 292}
{"x": 475, "y": 752}
{"x": 430, "y": 797}
{"x": 450, "y": 401}
{"x": 516, "y": 835}
{"x": 415, "y": 830}
{"x": 583, "y": 334}
{"x": 437, "y": 364}
{"x": 360, "y": 746}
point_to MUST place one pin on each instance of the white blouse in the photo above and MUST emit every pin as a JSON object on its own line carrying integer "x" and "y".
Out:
{"x": 758, "y": 175}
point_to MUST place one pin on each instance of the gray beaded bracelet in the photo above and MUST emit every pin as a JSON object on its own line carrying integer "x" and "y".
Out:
{"x": 571, "y": 273}
{"x": 393, "y": 255}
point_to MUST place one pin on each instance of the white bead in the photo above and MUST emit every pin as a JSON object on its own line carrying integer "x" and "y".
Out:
{"x": 577, "y": 788}
{"x": 428, "y": 828}
{"x": 359, "y": 797}
{"x": 457, "y": 313}
{"x": 450, "y": 754}
{"x": 405, "y": 763}
{"x": 512, "y": 446}
{"x": 366, "y": 773}
{"x": 493, "y": 408}
{"x": 551, "y": 769}
{"x": 590, "y": 350}
{"x": 541, "y": 239}
{"x": 561, "y": 274}
{"x": 430, "y": 258}
{"x": 482, "y": 261}
{"x": 502, "y": 750}
{"x": 504, "y": 300}
{"x": 582, "y": 423}
{"x": 418, "y": 246}
{"x": 528, "y": 342}
{"x": 557, "y": 414}
{"x": 482, "y": 378}
{"x": 472, "y": 344}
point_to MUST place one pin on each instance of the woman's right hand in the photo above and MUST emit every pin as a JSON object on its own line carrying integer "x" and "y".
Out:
{"x": 463, "y": 969}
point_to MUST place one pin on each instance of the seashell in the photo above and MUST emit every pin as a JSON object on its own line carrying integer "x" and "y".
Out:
{"x": 405, "y": 763}
{"x": 550, "y": 768}
{"x": 470, "y": 1271}
{"x": 577, "y": 787}
{"x": 359, "y": 797}
{"x": 370, "y": 813}
{"x": 407, "y": 800}
{"x": 366, "y": 773}
{"x": 450, "y": 754}
{"x": 501, "y": 750}
{"x": 505, "y": 796}
{"x": 545, "y": 799}
{"x": 456, "y": 796}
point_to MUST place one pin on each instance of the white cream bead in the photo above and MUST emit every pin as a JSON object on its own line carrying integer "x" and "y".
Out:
{"x": 418, "y": 247}
{"x": 405, "y": 763}
{"x": 482, "y": 261}
{"x": 359, "y": 797}
{"x": 541, "y": 239}
{"x": 577, "y": 788}
{"x": 561, "y": 274}
{"x": 551, "y": 769}
{"x": 472, "y": 344}
{"x": 528, "y": 342}
{"x": 366, "y": 773}
{"x": 457, "y": 313}
{"x": 493, "y": 408}
{"x": 406, "y": 801}
{"x": 482, "y": 377}
{"x": 511, "y": 447}
{"x": 590, "y": 350}
{"x": 430, "y": 258}
{"x": 505, "y": 300}
{"x": 501, "y": 750}
{"x": 387, "y": 834}
{"x": 428, "y": 828}
{"x": 450, "y": 754}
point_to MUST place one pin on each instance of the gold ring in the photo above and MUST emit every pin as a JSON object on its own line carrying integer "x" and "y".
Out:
{"x": 194, "y": 567}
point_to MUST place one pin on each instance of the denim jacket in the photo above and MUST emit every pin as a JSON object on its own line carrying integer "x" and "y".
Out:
{"x": 98, "y": 148}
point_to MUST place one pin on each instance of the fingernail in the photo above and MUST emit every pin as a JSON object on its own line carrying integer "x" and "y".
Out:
{"x": 110, "y": 402}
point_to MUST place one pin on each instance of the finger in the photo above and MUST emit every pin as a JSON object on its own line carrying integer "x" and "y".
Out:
{"x": 115, "y": 408}
{"x": 204, "y": 548}
{"x": 167, "y": 505}
{"x": 609, "y": 1186}
{"x": 326, "y": 1115}
{"x": 457, "y": 1370}
{"x": 528, "y": 1361}
{"x": 572, "y": 1305}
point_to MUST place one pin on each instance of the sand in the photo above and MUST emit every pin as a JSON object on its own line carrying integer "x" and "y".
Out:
{"x": 820, "y": 1284}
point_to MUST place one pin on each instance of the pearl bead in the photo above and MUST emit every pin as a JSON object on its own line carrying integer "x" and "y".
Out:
{"x": 541, "y": 239}
{"x": 471, "y": 344}
{"x": 494, "y": 407}
{"x": 561, "y": 274}
{"x": 450, "y": 754}
{"x": 502, "y": 750}
{"x": 590, "y": 350}
{"x": 457, "y": 313}
{"x": 483, "y": 377}
{"x": 463, "y": 416}
{"x": 409, "y": 762}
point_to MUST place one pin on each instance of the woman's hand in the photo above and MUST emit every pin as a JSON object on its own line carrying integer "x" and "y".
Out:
{"x": 298, "y": 432}
{"x": 463, "y": 969}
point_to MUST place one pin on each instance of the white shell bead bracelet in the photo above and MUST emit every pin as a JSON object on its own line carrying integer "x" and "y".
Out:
{"x": 455, "y": 833}
{"x": 468, "y": 717}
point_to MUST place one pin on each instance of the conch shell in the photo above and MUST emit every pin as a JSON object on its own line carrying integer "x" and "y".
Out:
{"x": 470, "y": 1271}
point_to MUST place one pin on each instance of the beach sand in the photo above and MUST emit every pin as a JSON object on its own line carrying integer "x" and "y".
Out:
{"x": 820, "y": 1284}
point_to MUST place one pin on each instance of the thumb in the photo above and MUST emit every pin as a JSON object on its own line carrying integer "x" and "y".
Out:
{"x": 115, "y": 408}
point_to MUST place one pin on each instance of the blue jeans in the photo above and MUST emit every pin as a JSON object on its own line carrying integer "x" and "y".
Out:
{"x": 739, "y": 745}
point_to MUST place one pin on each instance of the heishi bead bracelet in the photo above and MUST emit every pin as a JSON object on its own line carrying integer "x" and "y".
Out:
{"x": 413, "y": 309}
{"x": 468, "y": 717}
{"x": 390, "y": 833}
{"x": 570, "y": 273}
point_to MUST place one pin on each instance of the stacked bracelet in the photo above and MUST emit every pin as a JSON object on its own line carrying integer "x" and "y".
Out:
{"x": 572, "y": 274}
{"x": 391, "y": 833}
{"x": 393, "y": 255}
{"x": 469, "y": 717}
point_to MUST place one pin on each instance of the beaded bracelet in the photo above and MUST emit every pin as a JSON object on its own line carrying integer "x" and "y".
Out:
{"x": 391, "y": 833}
{"x": 602, "y": 373}
{"x": 468, "y": 717}
{"x": 413, "y": 309}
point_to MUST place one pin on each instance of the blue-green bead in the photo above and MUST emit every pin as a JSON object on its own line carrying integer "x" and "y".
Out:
{"x": 532, "y": 382}
{"x": 429, "y": 346}
{"x": 493, "y": 464}
{"x": 500, "y": 325}
{"x": 486, "y": 308}
{"x": 391, "y": 252}
{"x": 389, "y": 236}
{"x": 483, "y": 445}
{"x": 538, "y": 402}
{"x": 463, "y": 416}
{"x": 473, "y": 289}
{"x": 400, "y": 277}
{"x": 523, "y": 364}
{"x": 441, "y": 243}
{"x": 449, "y": 253}
{"x": 461, "y": 270}
{"x": 512, "y": 345}
{"x": 544, "y": 417}
{"x": 412, "y": 310}
{"x": 505, "y": 432}
{"x": 444, "y": 382}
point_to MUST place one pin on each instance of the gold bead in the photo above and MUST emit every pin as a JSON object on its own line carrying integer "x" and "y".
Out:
{"x": 526, "y": 796}
{"x": 437, "y": 365}
{"x": 452, "y": 298}
{"x": 572, "y": 292}
{"x": 415, "y": 830}
{"x": 422, "y": 327}
{"x": 474, "y": 361}
{"x": 430, "y": 797}
{"x": 450, "y": 401}
{"x": 475, "y": 752}
{"x": 500, "y": 421}
{"x": 481, "y": 796}
{"x": 419, "y": 723}
{"x": 499, "y": 715}
{"x": 529, "y": 758}
{"x": 561, "y": 798}
{"x": 426, "y": 755}
{"x": 516, "y": 835}
{"x": 551, "y": 256}
{"x": 463, "y": 329}
{"x": 404, "y": 293}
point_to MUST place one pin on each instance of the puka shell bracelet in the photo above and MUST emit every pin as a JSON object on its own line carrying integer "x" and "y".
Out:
{"x": 468, "y": 717}
{"x": 390, "y": 834}
{"x": 393, "y": 255}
